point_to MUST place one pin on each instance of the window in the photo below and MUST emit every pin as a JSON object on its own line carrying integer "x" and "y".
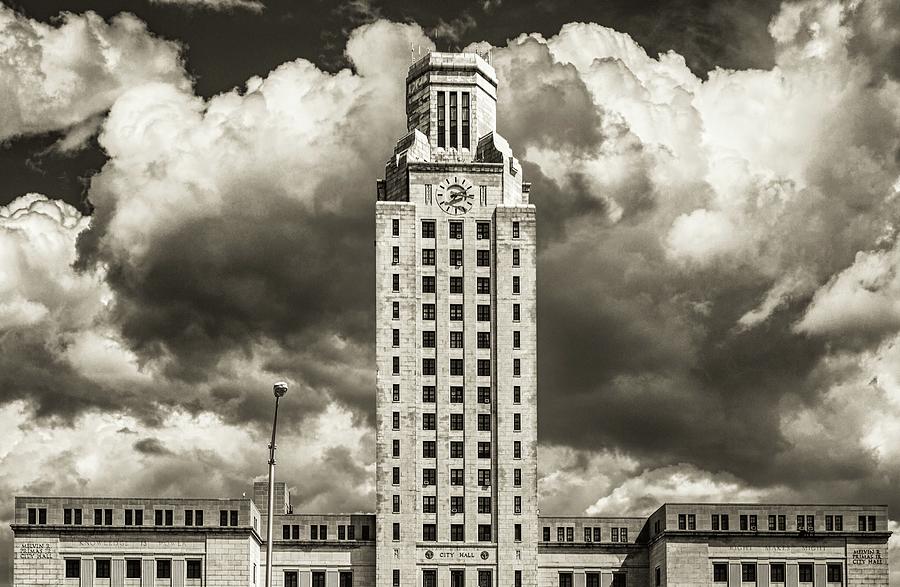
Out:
{"x": 457, "y": 502}
{"x": 565, "y": 580}
{"x": 484, "y": 450}
{"x": 395, "y": 475}
{"x": 395, "y": 255}
{"x": 456, "y": 311}
{"x": 517, "y": 505}
{"x": 517, "y": 477}
{"x": 834, "y": 523}
{"x": 682, "y": 521}
{"x": 714, "y": 522}
{"x": 517, "y": 530}
{"x": 515, "y": 257}
{"x": 484, "y": 422}
{"x": 429, "y": 578}
{"x": 516, "y": 285}
{"x": 517, "y": 312}
{"x": 614, "y": 535}
{"x": 515, "y": 229}
{"x": 345, "y": 579}
{"x": 163, "y": 569}
{"x": 132, "y": 568}
{"x": 658, "y": 574}
{"x": 395, "y": 366}
{"x": 428, "y": 312}
{"x": 724, "y": 519}
{"x": 464, "y": 119}
{"x": 517, "y": 394}
{"x": 457, "y": 532}
{"x": 456, "y": 257}
{"x": 396, "y": 310}
{"x": 570, "y": 534}
{"x": 517, "y": 579}
{"x": 395, "y": 227}
{"x": 323, "y": 532}
{"x": 441, "y": 143}
{"x": 484, "y": 577}
{"x": 429, "y": 366}
{"x": 456, "y": 449}
{"x": 428, "y": 285}
{"x": 720, "y": 572}
{"x": 285, "y": 532}
{"x": 456, "y": 476}
{"x": 456, "y": 395}
{"x": 618, "y": 580}
{"x": 517, "y": 449}
{"x": 456, "y": 422}
{"x": 482, "y": 230}
{"x": 397, "y": 571}
{"x": 73, "y": 568}
{"x": 692, "y": 521}
{"x": 560, "y": 534}
{"x": 484, "y": 505}
{"x": 484, "y": 533}
{"x": 456, "y": 285}
{"x": 484, "y": 367}
{"x": 429, "y": 532}
{"x": 428, "y": 256}
{"x": 365, "y": 532}
{"x": 483, "y": 285}
{"x": 395, "y": 337}
{"x": 587, "y": 534}
{"x": 776, "y": 572}
{"x": 429, "y": 504}
{"x": 484, "y": 312}
{"x": 68, "y": 516}
{"x": 429, "y": 449}
{"x": 457, "y": 578}
{"x": 395, "y": 282}
{"x": 290, "y": 579}
{"x": 395, "y": 392}
{"x": 835, "y": 573}
{"x": 193, "y": 569}
{"x": 428, "y": 229}
{"x": 313, "y": 532}
{"x": 456, "y": 367}
{"x": 806, "y": 573}
{"x": 772, "y": 525}
{"x": 517, "y": 367}
{"x": 456, "y": 230}
{"x": 428, "y": 394}
{"x": 428, "y": 421}
{"x": 318, "y": 579}
{"x": 429, "y": 476}
{"x": 102, "y": 568}
{"x": 782, "y": 523}
{"x": 395, "y": 420}
{"x": 484, "y": 477}
{"x": 546, "y": 534}
{"x": 483, "y": 258}
{"x": 592, "y": 580}
{"x": 453, "y": 126}
{"x": 396, "y": 531}
{"x": 456, "y": 340}
{"x": 748, "y": 572}
{"x": 517, "y": 339}
{"x": 598, "y": 537}
{"x": 351, "y": 532}
{"x": 484, "y": 395}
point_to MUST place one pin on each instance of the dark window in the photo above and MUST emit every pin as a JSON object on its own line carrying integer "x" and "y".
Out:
{"x": 456, "y": 311}
{"x": 313, "y": 532}
{"x": 395, "y": 475}
{"x": 351, "y": 532}
{"x": 517, "y": 339}
{"x": 107, "y": 514}
{"x": 483, "y": 285}
{"x": 456, "y": 257}
{"x": 456, "y": 449}
{"x": 806, "y": 573}
{"x": 395, "y": 392}
{"x": 429, "y": 395}
{"x": 427, "y": 256}
{"x": 456, "y": 285}
{"x": 456, "y": 367}
{"x": 132, "y": 568}
{"x": 464, "y": 120}
{"x": 428, "y": 229}
{"x": 365, "y": 532}
{"x": 517, "y": 477}
{"x": 395, "y": 337}
{"x": 396, "y": 310}
{"x": 618, "y": 580}
{"x": 395, "y": 282}
{"x": 516, "y": 286}
{"x": 748, "y": 572}
{"x": 456, "y": 230}
{"x": 77, "y": 513}
{"x": 456, "y": 422}
{"x": 456, "y": 477}
{"x": 839, "y": 523}
{"x": 517, "y": 531}
{"x": 193, "y": 569}
{"x": 428, "y": 285}
{"x": 395, "y": 420}
{"x": 457, "y": 578}
{"x": 429, "y": 476}
{"x": 724, "y": 521}
{"x": 429, "y": 576}
{"x": 484, "y": 395}
{"x": 517, "y": 579}
{"x": 395, "y": 227}
{"x": 395, "y": 255}
{"x": 223, "y": 517}
{"x": 484, "y": 367}
{"x": 829, "y": 523}
{"x": 658, "y": 574}
{"x": 67, "y": 516}
{"x": 714, "y": 522}
{"x": 429, "y": 366}
{"x": 484, "y": 422}
{"x": 772, "y": 524}
{"x": 395, "y": 504}
{"x": 484, "y": 477}
{"x": 517, "y": 504}
{"x": 429, "y": 532}
{"x": 560, "y": 534}
{"x": 158, "y": 517}
{"x": 517, "y": 367}
{"x": 484, "y": 312}
{"x": 483, "y": 230}
{"x": 345, "y": 579}
{"x": 456, "y": 340}
{"x": 429, "y": 449}
{"x": 835, "y": 573}
{"x": 484, "y": 532}
{"x": 323, "y": 532}
{"x": 692, "y": 521}
{"x": 395, "y": 366}
{"x": 484, "y": 340}
{"x": 429, "y": 504}
{"x": 318, "y": 579}
{"x": 565, "y": 580}
{"x": 163, "y": 569}
{"x": 483, "y": 258}
{"x": 428, "y": 338}
{"x": 776, "y": 572}
{"x": 428, "y": 421}
{"x": 290, "y": 579}
{"x": 457, "y": 532}
{"x": 570, "y": 534}
{"x": 614, "y": 535}
{"x": 546, "y": 534}
{"x": 592, "y": 580}
{"x": 396, "y": 572}
{"x": 515, "y": 257}
{"x": 484, "y": 577}
{"x": 517, "y": 449}
{"x": 682, "y": 521}
{"x": 188, "y": 517}
{"x": 428, "y": 312}
{"x": 456, "y": 396}
{"x": 441, "y": 142}
{"x": 871, "y": 522}
{"x": 782, "y": 523}
{"x": 515, "y": 229}
{"x": 73, "y": 568}
{"x": 517, "y": 394}
{"x": 517, "y": 312}
{"x": 484, "y": 505}
{"x": 720, "y": 572}
{"x": 453, "y": 125}
{"x": 484, "y": 450}
{"x": 102, "y": 566}
{"x": 285, "y": 532}
{"x": 396, "y": 448}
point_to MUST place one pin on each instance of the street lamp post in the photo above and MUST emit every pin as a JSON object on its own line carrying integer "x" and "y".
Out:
{"x": 279, "y": 389}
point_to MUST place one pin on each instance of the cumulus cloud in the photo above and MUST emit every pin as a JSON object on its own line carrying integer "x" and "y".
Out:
{"x": 60, "y": 78}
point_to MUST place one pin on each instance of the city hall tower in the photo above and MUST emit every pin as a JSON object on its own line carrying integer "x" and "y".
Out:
{"x": 455, "y": 342}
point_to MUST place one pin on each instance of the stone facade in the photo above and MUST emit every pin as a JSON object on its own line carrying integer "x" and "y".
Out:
{"x": 456, "y": 428}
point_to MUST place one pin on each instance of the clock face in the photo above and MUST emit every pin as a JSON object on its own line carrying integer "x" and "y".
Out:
{"x": 455, "y": 195}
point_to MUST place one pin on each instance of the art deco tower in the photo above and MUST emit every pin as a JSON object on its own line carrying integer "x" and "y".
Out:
{"x": 455, "y": 342}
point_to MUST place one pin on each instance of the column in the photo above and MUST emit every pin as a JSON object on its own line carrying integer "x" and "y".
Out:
{"x": 578, "y": 579}
{"x": 819, "y": 577}
{"x": 791, "y": 574}
{"x": 606, "y": 578}
{"x": 87, "y": 572}
{"x": 734, "y": 574}
{"x": 331, "y": 579}
{"x": 178, "y": 572}
{"x": 117, "y": 572}
{"x": 762, "y": 574}
{"x": 305, "y": 578}
{"x": 148, "y": 572}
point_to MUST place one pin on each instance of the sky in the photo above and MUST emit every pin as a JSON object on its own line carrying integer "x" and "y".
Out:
{"x": 187, "y": 216}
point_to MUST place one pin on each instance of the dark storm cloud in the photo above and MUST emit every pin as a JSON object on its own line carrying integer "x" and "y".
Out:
{"x": 151, "y": 447}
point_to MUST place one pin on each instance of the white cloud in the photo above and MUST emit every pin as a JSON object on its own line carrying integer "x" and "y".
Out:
{"x": 62, "y": 77}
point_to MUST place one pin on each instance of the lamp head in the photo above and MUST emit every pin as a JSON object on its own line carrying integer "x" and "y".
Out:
{"x": 280, "y": 388}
